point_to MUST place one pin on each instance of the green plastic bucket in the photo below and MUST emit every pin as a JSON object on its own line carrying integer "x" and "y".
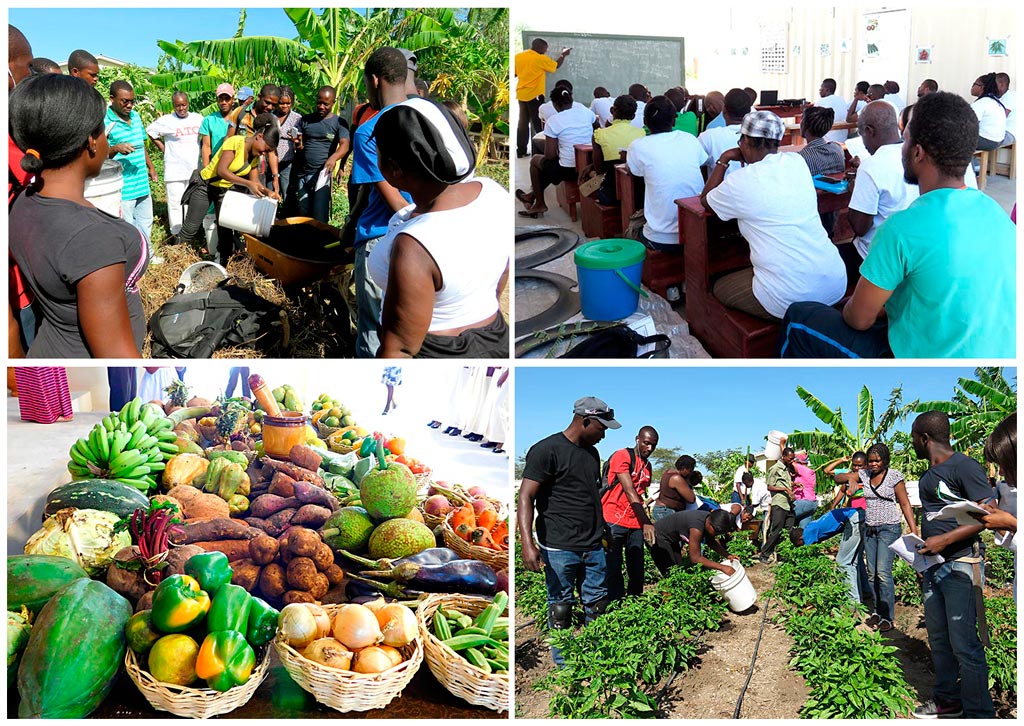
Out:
{"x": 608, "y": 271}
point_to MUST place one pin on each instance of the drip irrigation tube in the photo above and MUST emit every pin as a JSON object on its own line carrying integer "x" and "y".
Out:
{"x": 753, "y": 659}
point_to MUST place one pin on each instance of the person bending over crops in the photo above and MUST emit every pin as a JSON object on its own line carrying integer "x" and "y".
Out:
{"x": 441, "y": 265}
{"x": 236, "y": 164}
{"x": 82, "y": 265}
{"x": 694, "y": 527}
{"x": 851, "y": 494}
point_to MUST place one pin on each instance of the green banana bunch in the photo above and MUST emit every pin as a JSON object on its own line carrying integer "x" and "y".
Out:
{"x": 156, "y": 424}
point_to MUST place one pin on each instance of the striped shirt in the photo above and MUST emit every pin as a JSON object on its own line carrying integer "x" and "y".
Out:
{"x": 823, "y": 157}
{"x": 882, "y": 507}
{"x": 136, "y": 176}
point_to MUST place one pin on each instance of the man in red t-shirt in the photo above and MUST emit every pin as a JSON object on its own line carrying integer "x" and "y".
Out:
{"x": 629, "y": 475}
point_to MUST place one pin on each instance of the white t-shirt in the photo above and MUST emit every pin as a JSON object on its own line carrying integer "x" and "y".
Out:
{"x": 638, "y": 120}
{"x": 776, "y": 207}
{"x": 881, "y": 190}
{"x": 602, "y": 108}
{"x": 670, "y": 165}
{"x": 840, "y": 106}
{"x": 897, "y": 101}
{"x": 547, "y": 109}
{"x": 759, "y": 495}
{"x": 1009, "y": 100}
{"x": 716, "y": 142}
{"x": 575, "y": 125}
{"x": 462, "y": 242}
{"x": 180, "y": 137}
{"x": 991, "y": 118}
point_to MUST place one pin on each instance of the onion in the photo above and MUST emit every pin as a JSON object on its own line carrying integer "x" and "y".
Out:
{"x": 329, "y": 652}
{"x": 393, "y": 653}
{"x": 323, "y": 620}
{"x": 376, "y": 604}
{"x": 298, "y": 624}
{"x": 398, "y": 624}
{"x": 372, "y": 660}
{"x": 355, "y": 626}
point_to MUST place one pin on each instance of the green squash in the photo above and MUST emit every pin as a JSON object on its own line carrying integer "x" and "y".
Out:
{"x": 105, "y": 495}
{"x": 33, "y": 579}
{"x": 75, "y": 651}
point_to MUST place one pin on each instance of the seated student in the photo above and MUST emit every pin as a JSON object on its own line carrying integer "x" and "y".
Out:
{"x": 547, "y": 109}
{"x": 640, "y": 93}
{"x": 775, "y": 203}
{"x": 822, "y": 157}
{"x": 859, "y": 101}
{"x": 602, "y": 106}
{"x": 881, "y": 189}
{"x": 990, "y": 112}
{"x": 892, "y": 95}
{"x": 943, "y": 270}
{"x": 609, "y": 142}
{"x": 685, "y": 120}
{"x": 828, "y": 98}
{"x": 751, "y": 94}
{"x": 715, "y": 141}
{"x": 571, "y": 125}
{"x": 669, "y": 162}
{"x": 696, "y": 527}
{"x": 712, "y": 117}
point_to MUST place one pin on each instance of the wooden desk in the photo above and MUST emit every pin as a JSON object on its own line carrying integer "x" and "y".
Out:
{"x": 782, "y": 111}
{"x": 792, "y": 133}
{"x": 630, "y": 191}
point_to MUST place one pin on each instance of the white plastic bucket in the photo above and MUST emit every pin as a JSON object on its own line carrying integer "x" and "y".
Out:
{"x": 210, "y": 231}
{"x": 104, "y": 191}
{"x": 739, "y": 594}
{"x": 245, "y": 213}
{"x": 773, "y": 449}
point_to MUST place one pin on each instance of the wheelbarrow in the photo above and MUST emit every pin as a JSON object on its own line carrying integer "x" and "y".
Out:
{"x": 293, "y": 257}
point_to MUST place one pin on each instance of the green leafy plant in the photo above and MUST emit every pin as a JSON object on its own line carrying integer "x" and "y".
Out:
{"x": 906, "y": 582}
{"x": 976, "y": 407}
{"x": 999, "y": 567}
{"x": 742, "y": 545}
{"x": 1001, "y": 654}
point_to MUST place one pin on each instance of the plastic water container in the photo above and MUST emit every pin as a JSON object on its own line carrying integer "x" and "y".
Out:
{"x": 739, "y": 594}
{"x": 608, "y": 271}
{"x": 104, "y": 191}
{"x": 210, "y": 231}
{"x": 245, "y": 213}
{"x": 773, "y": 449}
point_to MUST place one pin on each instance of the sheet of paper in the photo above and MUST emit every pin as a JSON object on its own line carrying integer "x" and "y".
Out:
{"x": 961, "y": 512}
{"x": 906, "y": 548}
{"x": 323, "y": 180}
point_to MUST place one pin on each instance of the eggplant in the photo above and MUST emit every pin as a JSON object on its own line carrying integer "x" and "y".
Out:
{"x": 465, "y": 576}
{"x": 430, "y": 556}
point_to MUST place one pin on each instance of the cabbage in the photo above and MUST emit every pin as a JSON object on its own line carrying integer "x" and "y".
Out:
{"x": 83, "y": 535}
{"x": 19, "y": 626}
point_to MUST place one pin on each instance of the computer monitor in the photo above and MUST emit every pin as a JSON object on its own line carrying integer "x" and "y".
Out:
{"x": 769, "y": 98}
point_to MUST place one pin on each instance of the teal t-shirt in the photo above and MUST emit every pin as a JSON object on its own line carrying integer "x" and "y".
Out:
{"x": 950, "y": 261}
{"x": 133, "y": 165}
{"x": 216, "y": 127}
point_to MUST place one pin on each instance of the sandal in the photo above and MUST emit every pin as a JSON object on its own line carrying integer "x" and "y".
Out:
{"x": 525, "y": 197}
{"x": 532, "y": 214}
{"x": 499, "y": 451}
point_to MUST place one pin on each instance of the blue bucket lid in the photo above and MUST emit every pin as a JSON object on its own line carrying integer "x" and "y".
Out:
{"x": 610, "y": 254}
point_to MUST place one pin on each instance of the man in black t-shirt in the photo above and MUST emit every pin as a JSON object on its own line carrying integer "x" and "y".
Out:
{"x": 562, "y": 478}
{"x": 952, "y": 589}
{"x": 322, "y": 142}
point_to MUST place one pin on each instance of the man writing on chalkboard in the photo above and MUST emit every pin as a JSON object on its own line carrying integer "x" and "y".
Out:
{"x": 531, "y": 68}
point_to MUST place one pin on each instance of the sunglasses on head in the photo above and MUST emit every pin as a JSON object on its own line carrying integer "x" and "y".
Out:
{"x": 607, "y": 415}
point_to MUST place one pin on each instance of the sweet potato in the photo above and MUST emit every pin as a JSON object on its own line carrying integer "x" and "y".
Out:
{"x": 272, "y": 581}
{"x": 213, "y": 530}
{"x": 295, "y": 472}
{"x": 309, "y": 493}
{"x": 267, "y": 505}
{"x": 257, "y": 522}
{"x": 263, "y": 549}
{"x": 306, "y": 457}
{"x": 311, "y": 515}
{"x": 178, "y": 556}
{"x": 246, "y": 574}
{"x": 278, "y": 523}
{"x": 463, "y": 531}
{"x": 500, "y": 534}
{"x": 235, "y": 549}
{"x": 464, "y": 515}
{"x": 293, "y": 596}
{"x": 282, "y": 485}
{"x": 482, "y": 538}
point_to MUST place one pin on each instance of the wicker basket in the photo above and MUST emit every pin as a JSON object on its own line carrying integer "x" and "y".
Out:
{"x": 346, "y": 690}
{"x": 339, "y": 446}
{"x": 326, "y": 430}
{"x": 498, "y": 560}
{"x": 194, "y": 702}
{"x": 423, "y": 482}
{"x": 453, "y": 671}
{"x": 431, "y": 520}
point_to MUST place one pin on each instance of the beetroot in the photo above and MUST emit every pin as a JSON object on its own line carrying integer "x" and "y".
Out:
{"x": 480, "y": 505}
{"x": 477, "y": 492}
{"x": 437, "y": 505}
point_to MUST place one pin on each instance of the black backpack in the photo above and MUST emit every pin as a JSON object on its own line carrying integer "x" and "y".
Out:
{"x": 617, "y": 341}
{"x": 605, "y": 485}
{"x": 194, "y": 325}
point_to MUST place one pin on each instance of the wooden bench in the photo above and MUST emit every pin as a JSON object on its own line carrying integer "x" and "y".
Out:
{"x": 1009, "y": 169}
{"x": 630, "y": 191}
{"x": 663, "y": 270}
{"x": 599, "y": 221}
{"x": 983, "y": 175}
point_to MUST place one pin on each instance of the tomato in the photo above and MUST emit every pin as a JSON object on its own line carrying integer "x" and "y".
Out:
{"x": 397, "y": 445}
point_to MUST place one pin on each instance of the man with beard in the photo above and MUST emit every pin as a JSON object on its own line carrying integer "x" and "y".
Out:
{"x": 322, "y": 142}
{"x": 943, "y": 270}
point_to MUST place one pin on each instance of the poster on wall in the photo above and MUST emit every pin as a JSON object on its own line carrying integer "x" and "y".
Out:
{"x": 923, "y": 54}
{"x": 996, "y": 47}
{"x": 871, "y": 35}
{"x": 825, "y": 50}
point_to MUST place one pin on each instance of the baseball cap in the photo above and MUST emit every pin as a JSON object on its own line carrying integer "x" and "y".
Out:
{"x": 801, "y": 456}
{"x": 762, "y": 125}
{"x": 410, "y": 58}
{"x": 225, "y": 88}
{"x": 590, "y": 407}
{"x": 245, "y": 93}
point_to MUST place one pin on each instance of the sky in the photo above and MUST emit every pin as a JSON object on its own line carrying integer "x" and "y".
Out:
{"x": 130, "y": 34}
{"x": 707, "y": 409}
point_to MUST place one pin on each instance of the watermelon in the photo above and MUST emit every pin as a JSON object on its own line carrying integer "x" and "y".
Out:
{"x": 105, "y": 495}
{"x": 74, "y": 653}
{"x": 33, "y": 579}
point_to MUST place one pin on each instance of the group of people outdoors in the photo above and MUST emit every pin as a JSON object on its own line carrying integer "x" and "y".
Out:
{"x": 915, "y": 208}
{"x": 424, "y": 283}
{"x": 587, "y": 528}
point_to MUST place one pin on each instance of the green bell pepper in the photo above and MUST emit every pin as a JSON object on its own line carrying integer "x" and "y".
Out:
{"x": 229, "y": 609}
{"x": 262, "y": 624}
{"x": 368, "y": 446}
{"x": 211, "y": 569}
{"x": 236, "y": 457}
{"x": 178, "y": 604}
{"x": 225, "y": 660}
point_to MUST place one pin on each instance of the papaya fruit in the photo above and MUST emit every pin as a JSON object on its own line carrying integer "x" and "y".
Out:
{"x": 33, "y": 579}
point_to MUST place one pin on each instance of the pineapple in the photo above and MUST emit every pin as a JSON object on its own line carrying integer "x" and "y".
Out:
{"x": 177, "y": 393}
{"x": 233, "y": 419}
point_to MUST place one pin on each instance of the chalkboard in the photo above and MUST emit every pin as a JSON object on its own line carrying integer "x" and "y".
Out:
{"x": 613, "y": 61}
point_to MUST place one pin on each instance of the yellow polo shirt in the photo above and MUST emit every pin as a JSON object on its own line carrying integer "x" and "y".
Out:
{"x": 530, "y": 69}
{"x": 619, "y": 135}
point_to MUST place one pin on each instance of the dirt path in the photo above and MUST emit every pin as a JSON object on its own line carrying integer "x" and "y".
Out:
{"x": 710, "y": 689}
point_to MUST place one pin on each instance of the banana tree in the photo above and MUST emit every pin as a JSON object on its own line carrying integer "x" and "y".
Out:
{"x": 977, "y": 406}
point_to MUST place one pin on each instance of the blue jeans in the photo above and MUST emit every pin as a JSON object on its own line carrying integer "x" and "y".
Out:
{"x": 879, "y": 558}
{"x": 950, "y": 616}
{"x": 563, "y": 570}
{"x": 660, "y": 512}
{"x": 369, "y": 299}
{"x": 851, "y": 554}
{"x": 139, "y": 213}
{"x": 802, "y": 509}
{"x": 312, "y": 202}
{"x": 632, "y": 542}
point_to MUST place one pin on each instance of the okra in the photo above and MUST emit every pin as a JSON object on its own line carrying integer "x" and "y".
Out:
{"x": 441, "y": 629}
{"x": 471, "y": 631}
{"x": 449, "y": 614}
{"x": 496, "y": 665}
{"x": 461, "y": 642}
{"x": 476, "y": 658}
{"x": 486, "y": 620}
{"x": 464, "y": 621}
{"x": 499, "y": 632}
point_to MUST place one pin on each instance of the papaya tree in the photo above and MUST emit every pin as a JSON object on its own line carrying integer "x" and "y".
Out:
{"x": 977, "y": 406}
